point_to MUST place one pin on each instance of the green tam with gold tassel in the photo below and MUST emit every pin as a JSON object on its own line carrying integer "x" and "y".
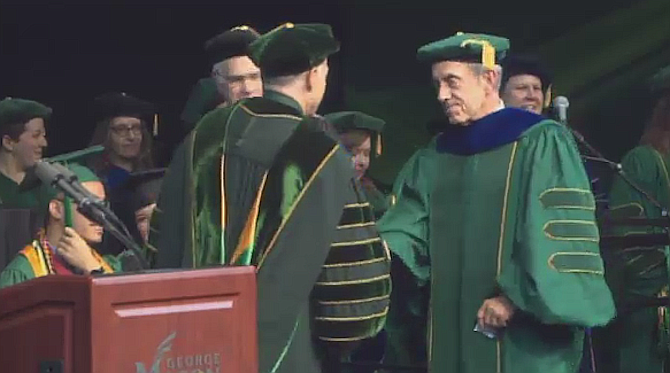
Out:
{"x": 466, "y": 47}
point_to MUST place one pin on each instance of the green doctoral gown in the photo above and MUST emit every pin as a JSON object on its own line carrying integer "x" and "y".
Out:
{"x": 248, "y": 187}
{"x": 510, "y": 212}
{"x": 636, "y": 336}
{"x": 407, "y": 319}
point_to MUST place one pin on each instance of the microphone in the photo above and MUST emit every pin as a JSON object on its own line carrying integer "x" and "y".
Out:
{"x": 561, "y": 105}
{"x": 59, "y": 177}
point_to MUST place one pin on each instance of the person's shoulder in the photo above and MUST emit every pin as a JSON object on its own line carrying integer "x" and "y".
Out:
{"x": 265, "y": 107}
{"x": 544, "y": 126}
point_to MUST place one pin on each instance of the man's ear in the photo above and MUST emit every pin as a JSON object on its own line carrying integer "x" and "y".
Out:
{"x": 491, "y": 77}
{"x": 8, "y": 143}
{"x": 56, "y": 209}
{"x": 310, "y": 77}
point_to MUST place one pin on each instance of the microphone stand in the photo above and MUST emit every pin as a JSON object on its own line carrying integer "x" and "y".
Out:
{"x": 91, "y": 207}
{"x": 111, "y": 223}
{"x": 618, "y": 169}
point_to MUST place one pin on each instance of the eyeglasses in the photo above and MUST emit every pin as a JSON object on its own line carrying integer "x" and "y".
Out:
{"x": 122, "y": 130}
{"x": 236, "y": 79}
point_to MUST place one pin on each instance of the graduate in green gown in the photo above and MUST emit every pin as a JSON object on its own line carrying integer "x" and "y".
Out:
{"x": 508, "y": 224}
{"x": 23, "y": 133}
{"x": 233, "y": 75}
{"x": 640, "y": 337}
{"x": 63, "y": 247}
{"x": 360, "y": 134}
{"x": 260, "y": 183}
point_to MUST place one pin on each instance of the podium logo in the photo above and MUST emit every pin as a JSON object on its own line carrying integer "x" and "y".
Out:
{"x": 163, "y": 348}
{"x": 199, "y": 363}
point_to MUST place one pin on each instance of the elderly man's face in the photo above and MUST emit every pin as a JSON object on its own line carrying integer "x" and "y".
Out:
{"x": 461, "y": 90}
{"x": 524, "y": 92}
{"x": 237, "y": 78}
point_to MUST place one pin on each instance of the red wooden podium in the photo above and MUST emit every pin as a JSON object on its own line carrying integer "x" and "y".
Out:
{"x": 187, "y": 321}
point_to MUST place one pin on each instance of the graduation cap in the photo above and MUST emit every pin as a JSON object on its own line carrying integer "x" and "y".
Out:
{"x": 230, "y": 43}
{"x": 120, "y": 104}
{"x": 74, "y": 161}
{"x": 526, "y": 64}
{"x": 292, "y": 49}
{"x": 355, "y": 120}
{"x": 144, "y": 187}
{"x": 20, "y": 111}
{"x": 466, "y": 47}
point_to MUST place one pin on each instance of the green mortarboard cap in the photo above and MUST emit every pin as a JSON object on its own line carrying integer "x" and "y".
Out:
{"x": 291, "y": 49}
{"x": 354, "y": 120}
{"x": 144, "y": 187}
{"x": 230, "y": 43}
{"x": 660, "y": 81}
{"x": 20, "y": 111}
{"x": 73, "y": 160}
{"x": 466, "y": 47}
{"x": 119, "y": 104}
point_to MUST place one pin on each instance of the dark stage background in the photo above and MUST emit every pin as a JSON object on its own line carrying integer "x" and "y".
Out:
{"x": 64, "y": 55}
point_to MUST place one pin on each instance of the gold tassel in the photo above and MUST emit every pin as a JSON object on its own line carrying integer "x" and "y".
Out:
{"x": 488, "y": 52}
{"x": 155, "y": 129}
{"x": 379, "y": 144}
{"x": 547, "y": 97}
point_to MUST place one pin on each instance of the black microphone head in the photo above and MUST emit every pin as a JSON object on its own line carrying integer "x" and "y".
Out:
{"x": 562, "y": 102}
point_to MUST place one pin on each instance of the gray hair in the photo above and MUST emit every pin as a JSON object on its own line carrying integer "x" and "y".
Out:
{"x": 479, "y": 69}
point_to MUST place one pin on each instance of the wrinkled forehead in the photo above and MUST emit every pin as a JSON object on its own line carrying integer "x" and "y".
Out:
{"x": 457, "y": 69}
{"x": 237, "y": 66}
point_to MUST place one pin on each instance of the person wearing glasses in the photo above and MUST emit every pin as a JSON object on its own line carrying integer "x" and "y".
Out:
{"x": 63, "y": 247}
{"x": 122, "y": 129}
{"x": 233, "y": 75}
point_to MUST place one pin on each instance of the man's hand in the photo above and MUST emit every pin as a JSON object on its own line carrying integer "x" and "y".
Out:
{"x": 495, "y": 312}
{"x": 76, "y": 251}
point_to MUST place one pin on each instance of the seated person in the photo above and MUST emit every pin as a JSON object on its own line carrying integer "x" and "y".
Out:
{"x": 59, "y": 248}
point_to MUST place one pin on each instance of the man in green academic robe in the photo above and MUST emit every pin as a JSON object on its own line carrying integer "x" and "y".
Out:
{"x": 260, "y": 183}
{"x": 508, "y": 224}
{"x": 640, "y": 336}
